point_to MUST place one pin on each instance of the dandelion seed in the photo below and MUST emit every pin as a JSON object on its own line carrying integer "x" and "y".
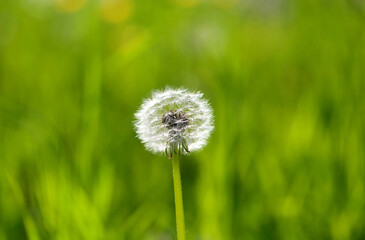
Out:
{"x": 174, "y": 122}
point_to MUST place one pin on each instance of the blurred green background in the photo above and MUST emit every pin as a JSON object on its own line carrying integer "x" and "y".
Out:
{"x": 286, "y": 80}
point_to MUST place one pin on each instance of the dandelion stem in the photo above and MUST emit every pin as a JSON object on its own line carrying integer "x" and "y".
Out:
{"x": 179, "y": 208}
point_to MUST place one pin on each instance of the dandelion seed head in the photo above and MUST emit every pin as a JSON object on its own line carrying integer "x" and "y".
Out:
{"x": 174, "y": 121}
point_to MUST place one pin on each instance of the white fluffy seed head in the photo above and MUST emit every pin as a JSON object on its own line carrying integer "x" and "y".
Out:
{"x": 174, "y": 120}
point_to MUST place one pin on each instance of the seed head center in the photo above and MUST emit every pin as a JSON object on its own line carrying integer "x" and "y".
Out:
{"x": 175, "y": 120}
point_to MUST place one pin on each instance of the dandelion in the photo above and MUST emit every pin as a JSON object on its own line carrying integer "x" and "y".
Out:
{"x": 175, "y": 122}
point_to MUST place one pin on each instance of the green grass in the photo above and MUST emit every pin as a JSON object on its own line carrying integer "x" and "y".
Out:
{"x": 286, "y": 80}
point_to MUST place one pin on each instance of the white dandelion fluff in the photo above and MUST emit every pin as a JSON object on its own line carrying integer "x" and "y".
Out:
{"x": 174, "y": 121}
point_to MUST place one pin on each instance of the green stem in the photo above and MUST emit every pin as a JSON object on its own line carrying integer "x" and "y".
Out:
{"x": 180, "y": 223}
